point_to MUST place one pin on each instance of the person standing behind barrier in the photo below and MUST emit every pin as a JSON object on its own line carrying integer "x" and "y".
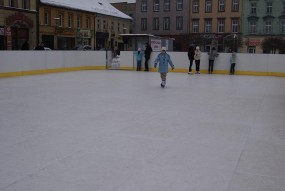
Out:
{"x": 163, "y": 59}
{"x": 212, "y": 55}
{"x": 25, "y": 45}
{"x": 233, "y": 63}
{"x": 147, "y": 53}
{"x": 191, "y": 53}
{"x": 139, "y": 56}
{"x": 197, "y": 57}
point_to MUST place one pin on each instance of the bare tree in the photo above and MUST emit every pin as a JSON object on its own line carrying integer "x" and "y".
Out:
{"x": 272, "y": 44}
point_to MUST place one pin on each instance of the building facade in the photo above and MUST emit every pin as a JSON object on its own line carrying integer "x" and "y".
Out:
{"x": 215, "y": 23}
{"x": 63, "y": 28}
{"x": 18, "y": 23}
{"x": 261, "y": 19}
{"x": 166, "y": 18}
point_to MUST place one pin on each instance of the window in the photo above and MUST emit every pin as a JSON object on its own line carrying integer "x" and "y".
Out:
{"x": 251, "y": 49}
{"x": 268, "y": 27}
{"x": 12, "y": 3}
{"x": 112, "y": 26}
{"x": 1, "y": 2}
{"x": 253, "y": 7}
{"x": 60, "y": 20}
{"x": 144, "y": 6}
{"x": 195, "y": 26}
{"x": 156, "y": 5}
{"x": 179, "y": 5}
{"x": 235, "y": 5}
{"x": 166, "y": 23}
{"x": 46, "y": 17}
{"x": 179, "y": 23}
{"x": 221, "y": 6}
{"x": 79, "y": 21}
{"x": 70, "y": 20}
{"x": 88, "y": 22}
{"x": 156, "y": 23}
{"x": 268, "y": 7}
{"x": 235, "y": 25}
{"x": 105, "y": 25}
{"x": 26, "y": 4}
{"x": 195, "y": 6}
{"x": 99, "y": 24}
{"x": 221, "y": 25}
{"x": 143, "y": 24}
{"x": 119, "y": 27}
{"x": 208, "y": 6}
{"x": 282, "y": 27}
{"x": 208, "y": 26}
{"x": 283, "y": 7}
{"x": 252, "y": 27}
{"x": 166, "y": 5}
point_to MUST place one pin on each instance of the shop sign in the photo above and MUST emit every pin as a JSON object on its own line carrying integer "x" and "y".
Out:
{"x": 85, "y": 34}
{"x": 65, "y": 31}
{"x": 254, "y": 42}
{"x": 155, "y": 44}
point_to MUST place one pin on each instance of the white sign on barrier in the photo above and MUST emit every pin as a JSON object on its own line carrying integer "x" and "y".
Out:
{"x": 155, "y": 44}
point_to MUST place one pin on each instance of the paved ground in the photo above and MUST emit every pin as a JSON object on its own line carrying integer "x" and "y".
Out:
{"x": 119, "y": 131}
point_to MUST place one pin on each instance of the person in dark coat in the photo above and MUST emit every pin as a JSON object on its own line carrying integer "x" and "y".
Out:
{"x": 25, "y": 46}
{"x": 40, "y": 46}
{"x": 191, "y": 53}
{"x": 147, "y": 53}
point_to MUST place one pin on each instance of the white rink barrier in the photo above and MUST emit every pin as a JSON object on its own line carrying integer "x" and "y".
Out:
{"x": 17, "y": 63}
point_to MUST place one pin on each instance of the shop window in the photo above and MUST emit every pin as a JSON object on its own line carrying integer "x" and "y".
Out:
{"x": 251, "y": 49}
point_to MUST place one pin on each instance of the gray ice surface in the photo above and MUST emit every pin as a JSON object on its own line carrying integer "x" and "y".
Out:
{"x": 120, "y": 131}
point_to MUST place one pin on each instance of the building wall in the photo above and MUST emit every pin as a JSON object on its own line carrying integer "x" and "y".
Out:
{"x": 18, "y": 23}
{"x": 149, "y": 14}
{"x": 253, "y": 39}
{"x": 207, "y": 39}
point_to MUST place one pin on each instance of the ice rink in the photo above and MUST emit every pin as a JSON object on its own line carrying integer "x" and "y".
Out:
{"x": 120, "y": 131}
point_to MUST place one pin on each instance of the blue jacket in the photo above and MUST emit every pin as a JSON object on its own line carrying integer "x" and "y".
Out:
{"x": 163, "y": 59}
{"x": 139, "y": 56}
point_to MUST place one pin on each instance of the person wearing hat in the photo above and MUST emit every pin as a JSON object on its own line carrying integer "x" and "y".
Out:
{"x": 139, "y": 56}
{"x": 163, "y": 59}
{"x": 197, "y": 57}
{"x": 233, "y": 63}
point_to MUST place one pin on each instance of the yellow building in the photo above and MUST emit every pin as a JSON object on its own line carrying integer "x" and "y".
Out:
{"x": 64, "y": 27}
{"x": 18, "y": 23}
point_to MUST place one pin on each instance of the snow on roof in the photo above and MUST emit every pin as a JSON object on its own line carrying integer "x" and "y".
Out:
{"x": 94, "y": 6}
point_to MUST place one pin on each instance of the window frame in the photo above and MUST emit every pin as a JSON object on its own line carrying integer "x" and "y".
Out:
{"x": 143, "y": 24}
{"x": 208, "y": 26}
{"x": 179, "y": 22}
{"x": 208, "y": 6}
{"x": 88, "y": 22}
{"x": 221, "y": 5}
{"x": 156, "y": 5}
{"x": 253, "y": 7}
{"x": 269, "y": 7}
{"x": 156, "y": 23}
{"x": 179, "y": 5}
{"x": 252, "y": 27}
{"x": 235, "y": 5}
{"x": 221, "y": 25}
{"x": 70, "y": 20}
{"x": 166, "y": 23}
{"x": 166, "y": 5}
{"x": 47, "y": 17}
{"x": 195, "y": 6}
{"x": 235, "y": 25}
{"x": 26, "y": 4}
{"x": 268, "y": 28}
{"x": 195, "y": 25}
{"x": 144, "y": 6}
{"x": 79, "y": 21}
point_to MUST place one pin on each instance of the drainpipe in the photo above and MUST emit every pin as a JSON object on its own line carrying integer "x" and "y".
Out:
{"x": 37, "y": 22}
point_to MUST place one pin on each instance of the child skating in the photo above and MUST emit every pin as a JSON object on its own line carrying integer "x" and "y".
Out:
{"x": 163, "y": 59}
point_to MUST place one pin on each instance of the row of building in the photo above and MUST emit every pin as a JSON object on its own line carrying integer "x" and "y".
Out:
{"x": 61, "y": 24}
{"x": 221, "y": 23}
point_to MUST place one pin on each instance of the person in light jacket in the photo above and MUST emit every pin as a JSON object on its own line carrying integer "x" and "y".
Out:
{"x": 139, "y": 56}
{"x": 197, "y": 57}
{"x": 163, "y": 59}
{"x": 212, "y": 55}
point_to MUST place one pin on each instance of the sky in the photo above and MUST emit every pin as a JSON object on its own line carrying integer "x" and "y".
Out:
{"x": 116, "y": 1}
